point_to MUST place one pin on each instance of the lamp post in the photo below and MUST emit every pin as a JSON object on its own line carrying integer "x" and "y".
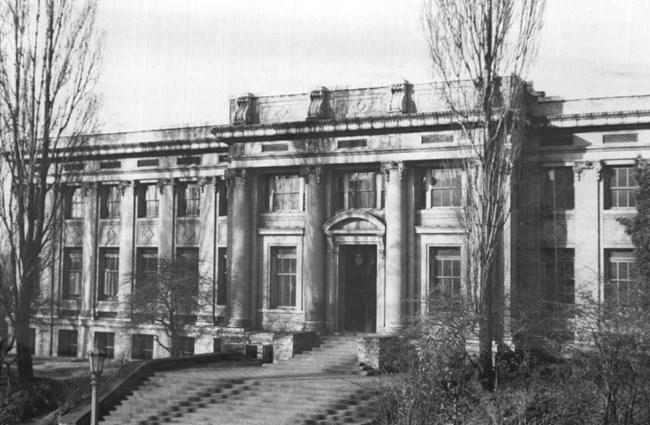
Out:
{"x": 96, "y": 360}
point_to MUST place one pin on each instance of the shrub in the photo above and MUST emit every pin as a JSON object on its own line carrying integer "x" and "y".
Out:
{"x": 25, "y": 402}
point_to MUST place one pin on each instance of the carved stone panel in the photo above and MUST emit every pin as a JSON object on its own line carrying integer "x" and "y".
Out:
{"x": 187, "y": 232}
{"x": 147, "y": 233}
{"x": 109, "y": 234}
{"x": 73, "y": 234}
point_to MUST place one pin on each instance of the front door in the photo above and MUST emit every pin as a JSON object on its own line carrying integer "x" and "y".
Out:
{"x": 359, "y": 271}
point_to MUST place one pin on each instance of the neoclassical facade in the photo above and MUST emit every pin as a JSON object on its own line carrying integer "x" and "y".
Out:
{"x": 334, "y": 211}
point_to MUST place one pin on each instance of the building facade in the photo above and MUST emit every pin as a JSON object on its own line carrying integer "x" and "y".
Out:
{"x": 334, "y": 211}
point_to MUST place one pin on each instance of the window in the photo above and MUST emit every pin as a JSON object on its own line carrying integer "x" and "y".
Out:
{"x": 558, "y": 189}
{"x": 147, "y": 263}
{"x": 109, "y": 201}
{"x": 148, "y": 200}
{"x": 558, "y": 275}
{"x": 109, "y": 273}
{"x": 444, "y": 271}
{"x": 105, "y": 342}
{"x": 189, "y": 199}
{"x": 621, "y": 185}
{"x": 184, "y": 346}
{"x": 284, "y": 193}
{"x": 283, "y": 276}
{"x": 67, "y": 343}
{"x": 74, "y": 203}
{"x": 620, "y": 286}
{"x": 360, "y": 190}
{"x": 188, "y": 260}
{"x": 142, "y": 347}
{"x": 438, "y": 187}
{"x": 72, "y": 272}
{"x": 222, "y": 276}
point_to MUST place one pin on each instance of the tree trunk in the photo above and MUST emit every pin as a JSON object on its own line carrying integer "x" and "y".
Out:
{"x": 486, "y": 371}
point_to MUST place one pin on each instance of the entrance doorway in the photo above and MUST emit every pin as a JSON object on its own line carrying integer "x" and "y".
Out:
{"x": 358, "y": 265}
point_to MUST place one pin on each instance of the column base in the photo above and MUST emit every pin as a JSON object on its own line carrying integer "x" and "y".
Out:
{"x": 239, "y": 323}
{"x": 314, "y": 326}
{"x": 392, "y": 329}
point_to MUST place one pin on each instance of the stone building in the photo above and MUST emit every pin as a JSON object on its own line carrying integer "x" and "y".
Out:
{"x": 333, "y": 211}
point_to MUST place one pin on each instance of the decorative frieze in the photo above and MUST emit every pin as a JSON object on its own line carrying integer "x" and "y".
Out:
{"x": 395, "y": 166}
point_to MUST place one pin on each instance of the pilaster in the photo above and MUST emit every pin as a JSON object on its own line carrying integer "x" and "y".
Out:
{"x": 89, "y": 246}
{"x": 395, "y": 246}
{"x": 207, "y": 243}
{"x": 166, "y": 218}
{"x": 587, "y": 212}
{"x": 127, "y": 238}
{"x": 315, "y": 251}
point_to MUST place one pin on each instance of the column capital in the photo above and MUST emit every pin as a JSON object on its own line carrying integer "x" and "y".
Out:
{"x": 161, "y": 183}
{"x": 308, "y": 172}
{"x": 580, "y": 165}
{"x": 394, "y": 166}
{"x": 89, "y": 188}
{"x": 235, "y": 175}
{"x": 123, "y": 185}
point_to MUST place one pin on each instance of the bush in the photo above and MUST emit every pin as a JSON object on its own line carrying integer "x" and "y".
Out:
{"x": 25, "y": 402}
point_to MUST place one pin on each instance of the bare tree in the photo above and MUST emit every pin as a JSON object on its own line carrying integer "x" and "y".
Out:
{"x": 49, "y": 64}
{"x": 479, "y": 49}
{"x": 170, "y": 297}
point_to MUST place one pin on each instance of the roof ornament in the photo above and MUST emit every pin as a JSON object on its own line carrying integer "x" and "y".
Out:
{"x": 400, "y": 98}
{"x": 244, "y": 111}
{"x": 319, "y": 105}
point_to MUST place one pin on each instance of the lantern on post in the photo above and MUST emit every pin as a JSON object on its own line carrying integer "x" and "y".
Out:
{"x": 96, "y": 361}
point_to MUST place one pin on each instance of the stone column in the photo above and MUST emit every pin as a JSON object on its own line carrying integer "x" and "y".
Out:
{"x": 395, "y": 246}
{"x": 206, "y": 241}
{"x": 89, "y": 258}
{"x": 315, "y": 252}
{"x": 127, "y": 239}
{"x": 166, "y": 219}
{"x": 239, "y": 247}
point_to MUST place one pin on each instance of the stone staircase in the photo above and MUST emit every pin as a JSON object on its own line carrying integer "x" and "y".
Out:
{"x": 322, "y": 386}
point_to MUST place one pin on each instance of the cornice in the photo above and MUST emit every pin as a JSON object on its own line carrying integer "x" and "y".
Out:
{"x": 594, "y": 119}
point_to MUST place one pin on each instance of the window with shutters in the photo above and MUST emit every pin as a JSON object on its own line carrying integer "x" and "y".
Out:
{"x": 148, "y": 200}
{"x": 110, "y": 198}
{"x": 189, "y": 199}
{"x": 558, "y": 189}
{"x": 72, "y": 272}
{"x": 109, "y": 273}
{"x": 142, "y": 347}
{"x": 105, "y": 343}
{"x": 364, "y": 190}
{"x": 284, "y": 193}
{"x": 558, "y": 274}
{"x": 283, "y": 276}
{"x": 620, "y": 187}
{"x": 444, "y": 271}
{"x": 620, "y": 288}
{"x": 67, "y": 343}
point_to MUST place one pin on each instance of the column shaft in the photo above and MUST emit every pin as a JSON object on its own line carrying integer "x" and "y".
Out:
{"x": 166, "y": 220}
{"x": 239, "y": 255}
{"x": 315, "y": 252}
{"x": 395, "y": 247}
{"x": 89, "y": 249}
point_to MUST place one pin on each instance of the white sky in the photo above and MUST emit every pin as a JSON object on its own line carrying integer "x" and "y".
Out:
{"x": 176, "y": 62}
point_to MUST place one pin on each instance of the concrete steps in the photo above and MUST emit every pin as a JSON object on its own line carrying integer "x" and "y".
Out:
{"x": 321, "y": 386}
